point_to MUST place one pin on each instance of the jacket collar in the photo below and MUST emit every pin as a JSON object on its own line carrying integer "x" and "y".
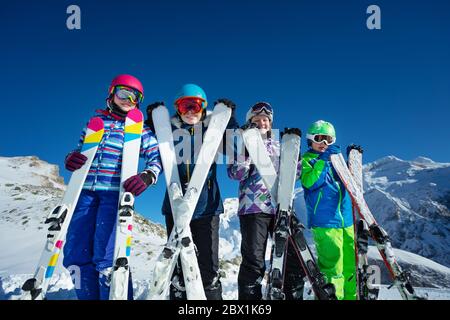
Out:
{"x": 311, "y": 150}
{"x": 109, "y": 114}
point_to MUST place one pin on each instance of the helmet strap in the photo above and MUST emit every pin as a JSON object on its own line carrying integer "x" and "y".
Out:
{"x": 115, "y": 109}
{"x": 203, "y": 115}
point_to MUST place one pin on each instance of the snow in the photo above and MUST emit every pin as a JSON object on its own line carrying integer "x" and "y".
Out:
{"x": 19, "y": 241}
{"x": 230, "y": 236}
{"x": 423, "y": 160}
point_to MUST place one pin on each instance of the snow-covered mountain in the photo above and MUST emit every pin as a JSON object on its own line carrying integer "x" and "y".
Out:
{"x": 30, "y": 188}
{"x": 411, "y": 200}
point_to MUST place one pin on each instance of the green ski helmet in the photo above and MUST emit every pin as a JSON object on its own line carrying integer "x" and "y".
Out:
{"x": 321, "y": 128}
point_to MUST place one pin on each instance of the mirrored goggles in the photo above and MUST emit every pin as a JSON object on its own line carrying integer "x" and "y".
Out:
{"x": 189, "y": 104}
{"x": 126, "y": 93}
{"x": 262, "y": 107}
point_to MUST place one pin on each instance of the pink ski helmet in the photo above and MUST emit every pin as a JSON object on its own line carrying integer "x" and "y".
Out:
{"x": 129, "y": 81}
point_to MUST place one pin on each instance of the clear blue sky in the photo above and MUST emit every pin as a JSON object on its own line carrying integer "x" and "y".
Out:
{"x": 387, "y": 89}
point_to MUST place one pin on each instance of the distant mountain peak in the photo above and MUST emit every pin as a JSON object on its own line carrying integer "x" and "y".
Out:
{"x": 30, "y": 170}
{"x": 423, "y": 160}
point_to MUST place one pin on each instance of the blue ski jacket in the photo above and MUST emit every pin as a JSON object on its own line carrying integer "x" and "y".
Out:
{"x": 328, "y": 203}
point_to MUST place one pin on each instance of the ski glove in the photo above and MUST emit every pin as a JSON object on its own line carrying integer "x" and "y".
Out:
{"x": 248, "y": 125}
{"x": 230, "y": 104}
{"x": 75, "y": 161}
{"x": 232, "y": 123}
{"x": 354, "y": 146}
{"x": 333, "y": 149}
{"x": 139, "y": 182}
{"x": 150, "y": 108}
{"x": 296, "y": 131}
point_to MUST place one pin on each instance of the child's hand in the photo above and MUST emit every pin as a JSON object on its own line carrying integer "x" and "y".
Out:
{"x": 230, "y": 104}
{"x": 249, "y": 125}
{"x": 75, "y": 161}
{"x": 354, "y": 146}
{"x": 333, "y": 149}
{"x": 150, "y": 108}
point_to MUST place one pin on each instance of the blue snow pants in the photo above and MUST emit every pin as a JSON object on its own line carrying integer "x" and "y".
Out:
{"x": 90, "y": 244}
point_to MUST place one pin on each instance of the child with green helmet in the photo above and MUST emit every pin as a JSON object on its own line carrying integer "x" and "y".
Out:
{"x": 329, "y": 211}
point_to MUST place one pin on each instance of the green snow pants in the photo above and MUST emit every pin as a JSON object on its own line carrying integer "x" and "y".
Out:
{"x": 336, "y": 259}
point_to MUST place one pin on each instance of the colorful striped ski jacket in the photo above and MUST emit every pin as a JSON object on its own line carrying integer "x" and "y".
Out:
{"x": 104, "y": 173}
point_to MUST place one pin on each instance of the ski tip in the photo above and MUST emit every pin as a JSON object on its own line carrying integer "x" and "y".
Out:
{"x": 95, "y": 124}
{"x": 94, "y": 133}
{"x": 354, "y": 147}
{"x": 160, "y": 110}
{"x": 295, "y": 131}
{"x": 222, "y": 107}
{"x": 135, "y": 115}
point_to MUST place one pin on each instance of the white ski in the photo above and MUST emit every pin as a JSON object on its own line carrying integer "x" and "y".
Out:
{"x": 365, "y": 291}
{"x": 289, "y": 156}
{"x": 288, "y": 230}
{"x": 379, "y": 235}
{"x": 122, "y": 248}
{"x": 59, "y": 219}
{"x": 260, "y": 158}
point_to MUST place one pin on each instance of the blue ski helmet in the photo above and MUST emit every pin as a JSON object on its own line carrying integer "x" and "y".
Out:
{"x": 191, "y": 90}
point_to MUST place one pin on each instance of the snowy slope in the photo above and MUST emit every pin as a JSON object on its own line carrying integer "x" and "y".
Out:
{"x": 30, "y": 188}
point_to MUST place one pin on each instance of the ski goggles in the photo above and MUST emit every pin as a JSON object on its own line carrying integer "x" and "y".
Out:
{"x": 321, "y": 138}
{"x": 189, "y": 104}
{"x": 262, "y": 107}
{"x": 126, "y": 93}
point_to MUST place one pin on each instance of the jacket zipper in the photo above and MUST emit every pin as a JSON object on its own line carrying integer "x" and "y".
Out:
{"x": 191, "y": 131}
{"x": 318, "y": 200}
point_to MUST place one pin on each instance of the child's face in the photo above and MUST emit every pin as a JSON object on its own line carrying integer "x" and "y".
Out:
{"x": 124, "y": 104}
{"x": 191, "y": 118}
{"x": 263, "y": 123}
{"x": 319, "y": 147}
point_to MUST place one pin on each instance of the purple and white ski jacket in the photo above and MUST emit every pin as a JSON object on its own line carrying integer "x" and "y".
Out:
{"x": 254, "y": 197}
